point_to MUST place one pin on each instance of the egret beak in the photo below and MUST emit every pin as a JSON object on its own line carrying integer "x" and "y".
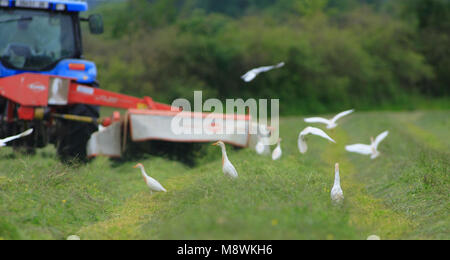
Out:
{"x": 215, "y": 144}
{"x": 137, "y": 165}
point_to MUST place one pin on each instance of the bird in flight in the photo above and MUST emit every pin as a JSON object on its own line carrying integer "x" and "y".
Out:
{"x": 371, "y": 149}
{"x": 302, "y": 146}
{"x": 251, "y": 75}
{"x": 331, "y": 123}
{"x": 12, "y": 138}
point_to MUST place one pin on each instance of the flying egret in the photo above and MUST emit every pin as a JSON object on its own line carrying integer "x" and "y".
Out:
{"x": 227, "y": 166}
{"x": 337, "y": 195}
{"x": 371, "y": 149}
{"x": 302, "y": 146}
{"x": 276, "y": 154}
{"x": 249, "y": 76}
{"x": 153, "y": 184}
{"x": 12, "y": 138}
{"x": 331, "y": 123}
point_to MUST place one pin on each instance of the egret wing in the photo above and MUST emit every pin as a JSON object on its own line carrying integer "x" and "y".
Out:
{"x": 229, "y": 170}
{"x": 155, "y": 185}
{"x": 268, "y": 68}
{"x": 359, "y": 148}
{"x": 279, "y": 65}
{"x": 318, "y": 132}
{"x": 342, "y": 114}
{"x": 317, "y": 120}
{"x": 380, "y": 138}
{"x": 264, "y": 69}
{"x": 249, "y": 76}
{"x": 11, "y": 138}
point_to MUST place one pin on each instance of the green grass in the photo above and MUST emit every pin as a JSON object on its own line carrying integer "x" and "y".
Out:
{"x": 401, "y": 195}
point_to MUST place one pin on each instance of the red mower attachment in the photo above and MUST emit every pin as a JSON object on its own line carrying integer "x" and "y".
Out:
{"x": 51, "y": 103}
{"x": 36, "y": 90}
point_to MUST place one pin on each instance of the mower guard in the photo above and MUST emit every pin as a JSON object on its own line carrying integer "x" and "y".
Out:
{"x": 147, "y": 125}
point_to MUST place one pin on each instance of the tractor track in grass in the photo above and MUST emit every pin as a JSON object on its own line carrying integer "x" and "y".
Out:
{"x": 400, "y": 195}
{"x": 407, "y": 124}
{"x": 367, "y": 213}
{"x": 126, "y": 221}
{"x": 411, "y": 174}
{"x": 427, "y": 177}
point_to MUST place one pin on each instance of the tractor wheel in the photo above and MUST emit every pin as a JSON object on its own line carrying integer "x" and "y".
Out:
{"x": 72, "y": 136}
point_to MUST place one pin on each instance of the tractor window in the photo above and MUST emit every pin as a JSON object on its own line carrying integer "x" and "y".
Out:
{"x": 35, "y": 39}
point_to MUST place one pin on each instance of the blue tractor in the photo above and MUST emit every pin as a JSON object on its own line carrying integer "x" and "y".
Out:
{"x": 46, "y": 85}
{"x": 44, "y": 37}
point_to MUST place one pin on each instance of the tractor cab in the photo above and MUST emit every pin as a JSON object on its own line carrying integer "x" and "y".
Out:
{"x": 45, "y": 37}
{"x": 39, "y": 40}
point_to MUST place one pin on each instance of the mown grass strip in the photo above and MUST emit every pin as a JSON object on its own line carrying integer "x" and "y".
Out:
{"x": 126, "y": 221}
{"x": 367, "y": 213}
{"x": 411, "y": 176}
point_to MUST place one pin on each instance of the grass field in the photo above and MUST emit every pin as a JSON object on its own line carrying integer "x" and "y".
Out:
{"x": 404, "y": 194}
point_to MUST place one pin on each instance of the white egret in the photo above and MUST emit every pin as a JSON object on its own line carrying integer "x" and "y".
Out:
{"x": 302, "y": 146}
{"x": 371, "y": 149}
{"x": 331, "y": 123}
{"x": 373, "y": 237}
{"x": 12, "y": 138}
{"x": 153, "y": 184}
{"x": 249, "y": 76}
{"x": 73, "y": 237}
{"x": 337, "y": 195}
{"x": 101, "y": 128}
{"x": 227, "y": 167}
{"x": 276, "y": 154}
{"x": 264, "y": 134}
{"x": 260, "y": 147}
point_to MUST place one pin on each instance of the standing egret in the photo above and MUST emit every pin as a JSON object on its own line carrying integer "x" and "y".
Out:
{"x": 371, "y": 149}
{"x": 12, "y": 138}
{"x": 276, "y": 154}
{"x": 302, "y": 146}
{"x": 264, "y": 134}
{"x": 153, "y": 184}
{"x": 331, "y": 123}
{"x": 249, "y": 76}
{"x": 73, "y": 237}
{"x": 227, "y": 167}
{"x": 337, "y": 195}
{"x": 260, "y": 147}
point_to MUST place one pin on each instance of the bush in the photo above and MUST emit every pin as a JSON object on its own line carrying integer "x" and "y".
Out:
{"x": 359, "y": 58}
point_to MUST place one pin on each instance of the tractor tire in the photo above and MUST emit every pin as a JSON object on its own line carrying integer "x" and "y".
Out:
{"x": 72, "y": 136}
